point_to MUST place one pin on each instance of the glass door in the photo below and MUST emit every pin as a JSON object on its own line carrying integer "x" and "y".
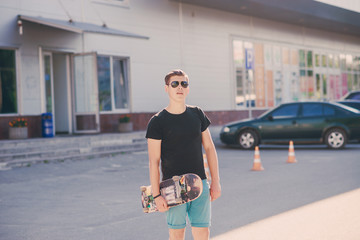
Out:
{"x": 48, "y": 76}
{"x": 85, "y": 93}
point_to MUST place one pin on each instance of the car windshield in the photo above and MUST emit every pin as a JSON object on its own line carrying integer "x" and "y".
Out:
{"x": 354, "y": 96}
{"x": 354, "y": 110}
{"x": 355, "y": 104}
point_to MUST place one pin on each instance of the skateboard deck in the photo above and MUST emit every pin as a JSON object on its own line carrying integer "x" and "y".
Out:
{"x": 176, "y": 191}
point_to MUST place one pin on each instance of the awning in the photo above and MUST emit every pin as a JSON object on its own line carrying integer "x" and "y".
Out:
{"x": 78, "y": 27}
{"x": 307, "y": 13}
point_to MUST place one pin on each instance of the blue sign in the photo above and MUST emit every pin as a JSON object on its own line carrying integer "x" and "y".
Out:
{"x": 249, "y": 58}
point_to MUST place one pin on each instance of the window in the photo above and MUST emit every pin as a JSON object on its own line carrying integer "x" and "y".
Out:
{"x": 103, "y": 68}
{"x": 48, "y": 87}
{"x": 317, "y": 60}
{"x": 312, "y": 110}
{"x": 329, "y": 111}
{"x": 302, "y": 58}
{"x": 8, "y": 94}
{"x": 354, "y": 96}
{"x": 286, "y": 111}
{"x": 120, "y": 85}
{"x": 309, "y": 59}
{"x": 113, "y": 84}
{"x": 279, "y": 73}
{"x": 323, "y": 61}
{"x": 239, "y": 61}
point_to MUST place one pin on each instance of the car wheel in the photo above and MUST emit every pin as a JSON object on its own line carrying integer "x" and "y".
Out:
{"x": 248, "y": 139}
{"x": 335, "y": 138}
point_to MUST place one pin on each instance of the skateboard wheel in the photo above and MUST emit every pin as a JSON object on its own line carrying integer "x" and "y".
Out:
{"x": 143, "y": 188}
{"x": 175, "y": 178}
{"x": 145, "y": 210}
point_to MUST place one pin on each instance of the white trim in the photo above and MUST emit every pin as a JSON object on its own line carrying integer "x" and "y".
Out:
{"x": 57, "y": 49}
{"x": 115, "y": 112}
{"x": 114, "y": 54}
{"x": 68, "y": 84}
{"x": 115, "y": 3}
{"x": 86, "y": 114}
{"x": 18, "y": 82}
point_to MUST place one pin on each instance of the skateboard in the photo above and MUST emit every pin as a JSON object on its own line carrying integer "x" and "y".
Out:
{"x": 176, "y": 191}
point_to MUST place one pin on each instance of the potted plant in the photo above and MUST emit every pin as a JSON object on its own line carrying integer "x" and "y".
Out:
{"x": 125, "y": 125}
{"x": 18, "y": 128}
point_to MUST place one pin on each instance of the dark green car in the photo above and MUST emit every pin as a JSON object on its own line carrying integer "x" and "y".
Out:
{"x": 302, "y": 122}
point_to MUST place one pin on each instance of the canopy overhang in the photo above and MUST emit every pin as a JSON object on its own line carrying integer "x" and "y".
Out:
{"x": 78, "y": 27}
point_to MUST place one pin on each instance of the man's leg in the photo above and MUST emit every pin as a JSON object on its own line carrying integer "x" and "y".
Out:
{"x": 200, "y": 214}
{"x": 200, "y": 233}
{"x": 177, "y": 234}
{"x": 176, "y": 220}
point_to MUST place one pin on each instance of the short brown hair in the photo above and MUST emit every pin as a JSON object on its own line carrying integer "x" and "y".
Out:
{"x": 176, "y": 72}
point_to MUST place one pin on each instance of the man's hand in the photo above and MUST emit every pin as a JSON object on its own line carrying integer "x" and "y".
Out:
{"x": 215, "y": 190}
{"x": 161, "y": 204}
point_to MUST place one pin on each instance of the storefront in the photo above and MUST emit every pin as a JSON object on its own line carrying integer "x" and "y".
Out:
{"x": 269, "y": 73}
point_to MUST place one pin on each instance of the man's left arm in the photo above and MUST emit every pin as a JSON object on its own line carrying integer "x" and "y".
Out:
{"x": 211, "y": 155}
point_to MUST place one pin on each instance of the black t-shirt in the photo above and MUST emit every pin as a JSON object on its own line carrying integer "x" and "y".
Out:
{"x": 181, "y": 142}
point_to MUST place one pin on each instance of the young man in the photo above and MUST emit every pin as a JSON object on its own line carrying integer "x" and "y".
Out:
{"x": 176, "y": 136}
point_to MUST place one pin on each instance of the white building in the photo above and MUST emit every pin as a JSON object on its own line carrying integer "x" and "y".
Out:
{"x": 90, "y": 61}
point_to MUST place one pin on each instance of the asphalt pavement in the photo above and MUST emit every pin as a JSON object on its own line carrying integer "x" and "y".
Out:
{"x": 330, "y": 219}
{"x": 93, "y": 199}
{"x": 333, "y": 218}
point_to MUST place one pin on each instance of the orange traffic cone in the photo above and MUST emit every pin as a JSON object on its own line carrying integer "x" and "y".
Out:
{"x": 257, "y": 161}
{"x": 206, "y": 166}
{"x": 291, "y": 157}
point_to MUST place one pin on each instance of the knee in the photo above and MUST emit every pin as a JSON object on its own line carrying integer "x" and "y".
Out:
{"x": 200, "y": 233}
{"x": 177, "y": 234}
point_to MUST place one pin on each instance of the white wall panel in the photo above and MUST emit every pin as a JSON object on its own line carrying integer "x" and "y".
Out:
{"x": 30, "y": 85}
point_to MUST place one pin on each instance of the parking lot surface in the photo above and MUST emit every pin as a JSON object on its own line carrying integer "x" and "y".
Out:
{"x": 99, "y": 198}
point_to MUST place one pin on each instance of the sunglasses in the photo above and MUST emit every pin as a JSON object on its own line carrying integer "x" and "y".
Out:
{"x": 175, "y": 84}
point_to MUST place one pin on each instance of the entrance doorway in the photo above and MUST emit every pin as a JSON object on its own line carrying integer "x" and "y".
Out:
{"x": 62, "y": 99}
{"x": 70, "y": 91}
{"x": 57, "y": 91}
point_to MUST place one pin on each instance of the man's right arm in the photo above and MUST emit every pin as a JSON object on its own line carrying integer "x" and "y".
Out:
{"x": 154, "y": 149}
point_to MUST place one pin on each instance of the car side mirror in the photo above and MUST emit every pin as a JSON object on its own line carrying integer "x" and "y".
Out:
{"x": 270, "y": 118}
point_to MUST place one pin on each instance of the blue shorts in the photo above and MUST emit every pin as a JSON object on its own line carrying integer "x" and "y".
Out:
{"x": 198, "y": 211}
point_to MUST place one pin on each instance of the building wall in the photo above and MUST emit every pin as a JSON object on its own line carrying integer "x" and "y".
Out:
{"x": 196, "y": 39}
